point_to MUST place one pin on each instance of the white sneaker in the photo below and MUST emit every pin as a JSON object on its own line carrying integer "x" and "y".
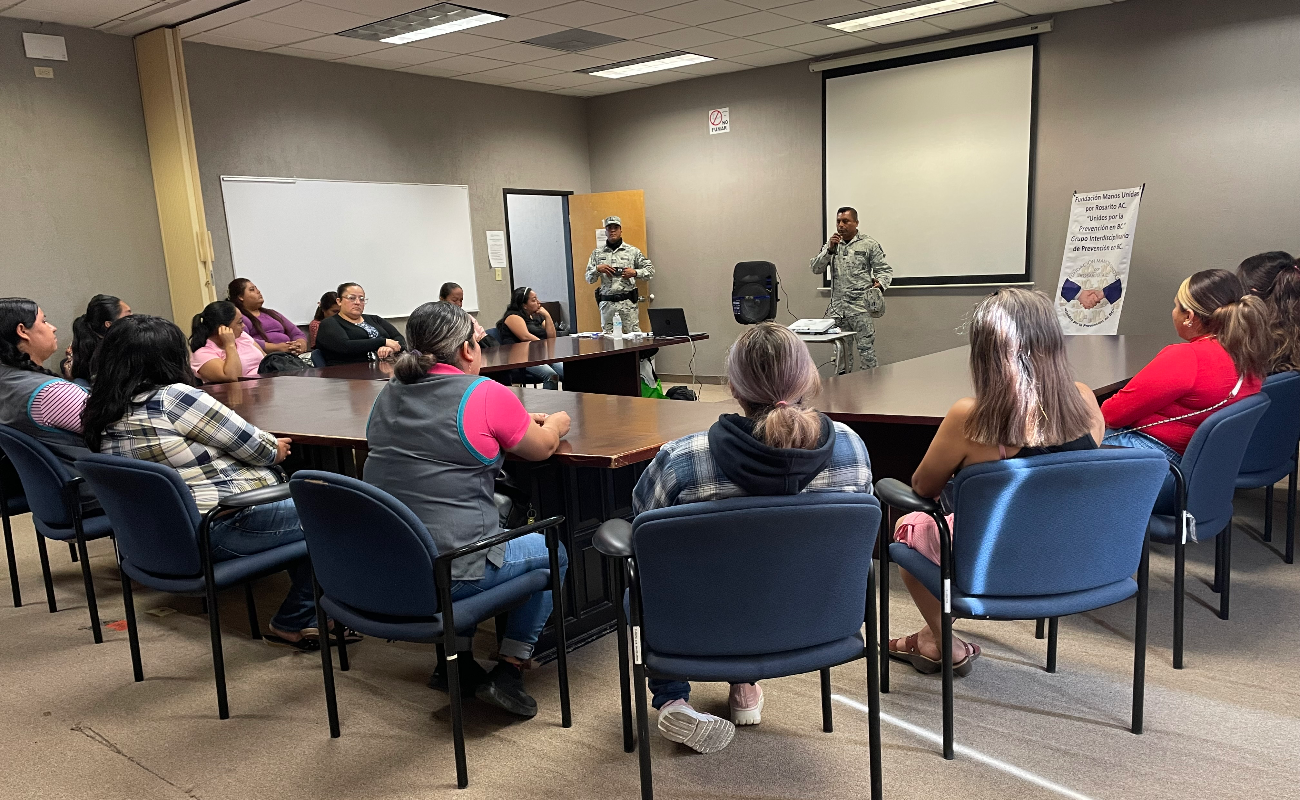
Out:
{"x": 746, "y": 702}
{"x": 704, "y": 733}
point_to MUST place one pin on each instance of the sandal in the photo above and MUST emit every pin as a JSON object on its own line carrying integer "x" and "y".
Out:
{"x": 303, "y": 645}
{"x": 349, "y": 636}
{"x": 912, "y": 655}
{"x": 963, "y": 668}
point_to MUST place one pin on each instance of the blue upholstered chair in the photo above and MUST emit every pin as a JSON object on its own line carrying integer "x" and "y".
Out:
{"x": 1272, "y": 452}
{"x": 378, "y": 571}
{"x": 794, "y": 602}
{"x": 1204, "y": 482}
{"x": 1044, "y": 536}
{"x": 162, "y": 543}
{"x": 13, "y": 501}
{"x": 54, "y": 497}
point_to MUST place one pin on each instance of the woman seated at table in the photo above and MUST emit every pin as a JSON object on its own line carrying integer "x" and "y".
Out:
{"x": 1275, "y": 279}
{"x": 454, "y": 294}
{"x": 143, "y": 404}
{"x": 354, "y": 337}
{"x": 1223, "y": 358}
{"x": 779, "y": 445}
{"x": 438, "y": 435}
{"x": 223, "y": 350}
{"x": 1026, "y": 403}
{"x": 526, "y": 320}
{"x": 87, "y": 331}
{"x": 327, "y": 306}
{"x": 272, "y": 330}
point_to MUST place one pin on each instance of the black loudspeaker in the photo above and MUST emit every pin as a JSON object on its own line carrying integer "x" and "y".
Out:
{"x": 754, "y": 292}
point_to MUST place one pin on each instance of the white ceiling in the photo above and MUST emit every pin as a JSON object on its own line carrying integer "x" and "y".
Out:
{"x": 739, "y": 34}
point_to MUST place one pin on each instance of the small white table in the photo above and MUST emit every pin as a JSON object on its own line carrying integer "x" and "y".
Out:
{"x": 845, "y": 344}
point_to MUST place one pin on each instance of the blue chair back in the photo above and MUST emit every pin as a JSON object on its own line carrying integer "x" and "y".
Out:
{"x": 152, "y": 512}
{"x": 369, "y": 551}
{"x": 755, "y": 575}
{"x": 1052, "y": 524}
{"x": 1213, "y": 459}
{"x": 43, "y": 476}
{"x": 1273, "y": 446}
{"x": 492, "y": 339}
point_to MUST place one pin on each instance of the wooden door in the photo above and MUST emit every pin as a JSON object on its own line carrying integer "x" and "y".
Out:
{"x": 587, "y": 214}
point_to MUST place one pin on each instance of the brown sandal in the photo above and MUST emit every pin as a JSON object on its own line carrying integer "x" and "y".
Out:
{"x": 912, "y": 655}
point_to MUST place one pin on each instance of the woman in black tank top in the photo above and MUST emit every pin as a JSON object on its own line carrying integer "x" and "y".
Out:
{"x": 526, "y": 320}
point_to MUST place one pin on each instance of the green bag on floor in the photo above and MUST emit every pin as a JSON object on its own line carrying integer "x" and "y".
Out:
{"x": 656, "y": 391}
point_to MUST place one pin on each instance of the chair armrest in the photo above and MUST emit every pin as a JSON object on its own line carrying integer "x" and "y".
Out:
{"x": 500, "y": 538}
{"x": 613, "y": 538}
{"x": 255, "y": 497}
{"x": 897, "y": 494}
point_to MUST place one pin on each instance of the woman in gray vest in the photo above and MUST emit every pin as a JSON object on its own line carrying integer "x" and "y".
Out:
{"x": 438, "y": 434}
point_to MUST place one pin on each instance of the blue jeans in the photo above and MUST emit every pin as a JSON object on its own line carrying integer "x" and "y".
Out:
{"x": 523, "y": 555}
{"x": 1125, "y": 437}
{"x": 253, "y": 530}
{"x": 548, "y": 375}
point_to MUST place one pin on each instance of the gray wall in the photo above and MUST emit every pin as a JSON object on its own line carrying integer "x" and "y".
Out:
{"x": 1196, "y": 98}
{"x": 77, "y": 210}
{"x": 271, "y": 115}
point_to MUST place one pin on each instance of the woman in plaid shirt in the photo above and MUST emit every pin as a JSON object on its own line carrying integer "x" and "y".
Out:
{"x": 143, "y": 404}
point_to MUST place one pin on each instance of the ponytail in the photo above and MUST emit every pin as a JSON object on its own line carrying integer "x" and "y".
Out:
{"x": 438, "y": 329}
{"x": 789, "y": 427}
{"x": 772, "y": 376}
{"x": 205, "y": 323}
{"x": 1274, "y": 277}
{"x": 1243, "y": 330}
{"x": 412, "y": 365}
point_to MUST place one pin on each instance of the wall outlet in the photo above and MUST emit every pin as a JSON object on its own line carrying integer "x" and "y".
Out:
{"x": 497, "y": 270}
{"x": 44, "y": 72}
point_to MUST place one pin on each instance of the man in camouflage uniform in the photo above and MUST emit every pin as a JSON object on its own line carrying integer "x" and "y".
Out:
{"x": 859, "y": 278}
{"x": 618, "y": 265}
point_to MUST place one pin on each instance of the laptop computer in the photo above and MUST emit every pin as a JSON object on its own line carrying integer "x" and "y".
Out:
{"x": 668, "y": 322}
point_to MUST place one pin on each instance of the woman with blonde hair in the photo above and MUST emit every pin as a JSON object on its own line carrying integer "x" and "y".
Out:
{"x": 1026, "y": 403}
{"x": 778, "y": 445}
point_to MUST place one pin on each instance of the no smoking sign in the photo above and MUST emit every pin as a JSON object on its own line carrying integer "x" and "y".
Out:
{"x": 719, "y": 121}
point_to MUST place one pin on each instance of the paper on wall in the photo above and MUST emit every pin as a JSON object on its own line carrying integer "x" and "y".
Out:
{"x": 1095, "y": 269}
{"x": 496, "y": 243}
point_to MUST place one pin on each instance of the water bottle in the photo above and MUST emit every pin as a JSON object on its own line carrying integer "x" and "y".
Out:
{"x": 618, "y": 326}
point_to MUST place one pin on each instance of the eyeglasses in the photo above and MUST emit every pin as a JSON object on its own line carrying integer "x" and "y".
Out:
{"x": 352, "y": 298}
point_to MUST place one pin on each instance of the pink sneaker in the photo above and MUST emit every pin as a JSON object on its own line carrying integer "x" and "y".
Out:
{"x": 746, "y": 703}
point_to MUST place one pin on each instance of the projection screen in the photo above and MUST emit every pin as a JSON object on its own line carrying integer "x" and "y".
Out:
{"x": 936, "y": 154}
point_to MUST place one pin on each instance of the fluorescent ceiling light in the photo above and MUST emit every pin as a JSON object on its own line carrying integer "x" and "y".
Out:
{"x": 432, "y": 21}
{"x": 640, "y": 66}
{"x": 906, "y": 12}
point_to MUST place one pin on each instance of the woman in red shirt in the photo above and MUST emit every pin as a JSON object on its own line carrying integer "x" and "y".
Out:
{"x": 1224, "y": 358}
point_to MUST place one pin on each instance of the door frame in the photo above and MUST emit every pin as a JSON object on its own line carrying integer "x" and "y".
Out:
{"x": 568, "y": 237}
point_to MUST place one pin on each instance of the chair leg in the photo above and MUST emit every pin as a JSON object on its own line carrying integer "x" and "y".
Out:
{"x": 13, "y": 561}
{"x": 254, "y": 630}
{"x": 1039, "y": 625}
{"x": 1290, "y": 517}
{"x": 1225, "y": 584}
{"x": 453, "y": 693}
{"x": 1140, "y": 639}
{"x": 1052, "y": 625}
{"x": 1180, "y": 563}
{"x": 45, "y": 573}
{"x": 1217, "y": 585}
{"x": 828, "y": 723}
{"x": 873, "y": 694}
{"x": 1268, "y": 513}
{"x": 132, "y": 628}
{"x": 218, "y": 658}
{"x": 643, "y": 732}
{"x": 884, "y": 538}
{"x": 341, "y": 643}
{"x": 561, "y": 636}
{"x": 92, "y": 606}
{"x": 72, "y": 551}
{"x": 326, "y": 665}
{"x": 624, "y": 676}
{"x": 946, "y": 648}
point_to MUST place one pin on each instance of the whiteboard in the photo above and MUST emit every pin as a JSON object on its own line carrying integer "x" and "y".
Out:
{"x": 935, "y": 157}
{"x": 297, "y": 239}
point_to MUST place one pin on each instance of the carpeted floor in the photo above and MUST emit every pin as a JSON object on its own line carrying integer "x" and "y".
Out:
{"x": 1227, "y": 726}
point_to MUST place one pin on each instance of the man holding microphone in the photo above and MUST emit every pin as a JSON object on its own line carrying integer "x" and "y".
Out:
{"x": 618, "y": 266}
{"x": 859, "y": 278}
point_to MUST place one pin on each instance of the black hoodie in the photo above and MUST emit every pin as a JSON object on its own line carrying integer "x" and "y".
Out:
{"x": 761, "y": 470}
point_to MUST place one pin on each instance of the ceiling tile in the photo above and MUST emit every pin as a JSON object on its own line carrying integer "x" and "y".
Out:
{"x": 226, "y": 41}
{"x": 975, "y": 17}
{"x": 530, "y": 86}
{"x": 313, "y": 17}
{"x": 464, "y": 63}
{"x": 341, "y": 45}
{"x": 635, "y": 27}
{"x": 517, "y": 53}
{"x": 823, "y": 47}
{"x": 376, "y": 9}
{"x": 640, "y": 6}
{"x": 298, "y": 52}
{"x": 768, "y": 57}
{"x": 732, "y": 47}
{"x": 1050, "y": 6}
{"x": 431, "y": 69}
{"x": 623, "y": 51}
{"x": 405, "y": 55}
{"x": 685, "y": 38}
{"x": 60, "y": 17}
{"x": 515, "y": 7}
{"x": 231, "y": 14}
{"x": 518, "y": 72}
{"x": 902, "y": 32}
{"x": 578, "y": 14}
{"x": 815, "y": 10}
{"x": 796, "y": 35}
{"x": 713, "y": 67}
{"x": 517, "y": 29}
{"x": 82, "y": 13}
{"x": 699, "y": 12}
{"x": 570, "y": 61}
{"x": 578, "y": 91}
{"x": 367, "y": 61}
{"x": 608, "y": 87}
{"x": 259, "y": 30}
{"x": 768, "y": 5}
{"x": 458, "y": 43}
{"x": 749, "y": 24}
{"x": 562, "y": 80}
{"x": 664, "y": 76}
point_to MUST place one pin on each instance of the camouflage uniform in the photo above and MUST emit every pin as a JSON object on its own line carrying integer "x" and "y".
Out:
{"x": 857, "y": 264}
{"x": 625, "y": 255}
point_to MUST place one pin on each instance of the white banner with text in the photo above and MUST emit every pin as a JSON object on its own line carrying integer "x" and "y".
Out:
{"x": 1094, "y": 270}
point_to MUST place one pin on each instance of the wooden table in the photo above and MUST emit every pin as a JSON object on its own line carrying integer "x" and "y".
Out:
{"x": 602, "y": 365}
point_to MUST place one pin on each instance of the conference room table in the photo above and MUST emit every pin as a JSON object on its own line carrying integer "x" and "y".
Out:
{"x": 603, "y": 365}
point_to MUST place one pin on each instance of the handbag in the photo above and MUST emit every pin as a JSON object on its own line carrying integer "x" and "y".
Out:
{"x": 275, "y": 363}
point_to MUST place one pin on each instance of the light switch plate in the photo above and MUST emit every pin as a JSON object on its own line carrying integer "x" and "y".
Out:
{"x": 498, "y": 271}
{"x": 44, "y": 72}
{"x": 48, "y": 48}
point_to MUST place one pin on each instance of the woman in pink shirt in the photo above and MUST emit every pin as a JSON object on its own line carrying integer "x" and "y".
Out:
{"x": 223, "y": 351}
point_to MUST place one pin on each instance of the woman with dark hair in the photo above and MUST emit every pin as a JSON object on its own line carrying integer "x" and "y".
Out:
{"x": 1275, "y": 278}
{"x": 144, "y": 405}
{"x": 354, "y": 337}
{"x": 454, "y": 294}
{"x": 1026, "y": 403}
{"x": 777, "y": 445}
{"x": 101, "y": 312}
{"x": 527, "y": 320}
{"x": 438, "y": 434}
{"x": 271, "y": 329}
{"x": 223, "y": 350}
{"x": 328, "y": 306}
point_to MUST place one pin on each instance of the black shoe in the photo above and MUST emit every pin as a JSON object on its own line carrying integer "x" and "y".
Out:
{"x": 471, "y": 675}
{"x": 504, "y": 688}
